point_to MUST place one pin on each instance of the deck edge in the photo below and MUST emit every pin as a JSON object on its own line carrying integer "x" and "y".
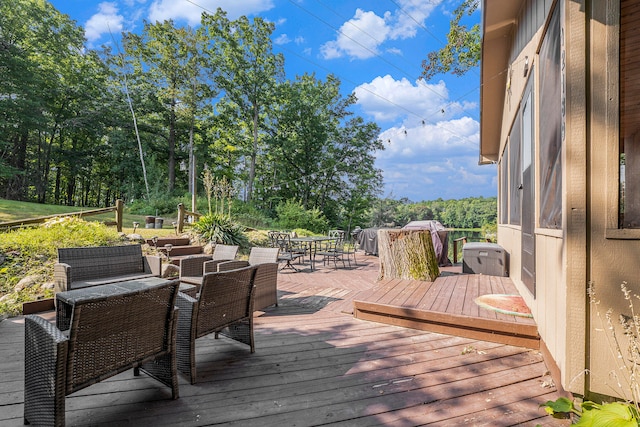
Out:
{"x": 450, "y": 324}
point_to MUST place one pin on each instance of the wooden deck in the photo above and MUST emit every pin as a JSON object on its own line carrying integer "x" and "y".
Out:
{"x": 448, "y": 306}
{"x": 315, "y": 364}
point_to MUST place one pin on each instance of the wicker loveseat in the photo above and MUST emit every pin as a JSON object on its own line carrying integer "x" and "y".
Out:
{"x": 99, "y": 265}
{"x": 107, "y": 335}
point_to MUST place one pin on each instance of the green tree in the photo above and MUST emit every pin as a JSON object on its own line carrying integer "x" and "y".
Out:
{"x": 292, "y": 214}
{"x": 463, "y": 49}
{"x": 50, "y": 101}
{"x": 167, "y": 58}
{"x": 246, "y": 70}
{"x": 319, "y": 153}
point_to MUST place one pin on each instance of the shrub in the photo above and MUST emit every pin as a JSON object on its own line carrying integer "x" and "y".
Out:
{"x": 292, "y": 214}
{"x": 33, "y": 251}
{"x": 219, "y": 228}
{"x": 249, "y": 216}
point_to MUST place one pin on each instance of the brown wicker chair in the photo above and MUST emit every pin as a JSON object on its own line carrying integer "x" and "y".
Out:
{"x": 266, "y": 280}
{"x": 223, "y": 306}
{"x": 107, "y": 335}
{"x": 193, "y": 268}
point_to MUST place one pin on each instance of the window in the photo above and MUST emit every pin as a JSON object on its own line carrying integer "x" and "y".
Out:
{"x": 629, "y": 163}
{"x": 515, "y": 172}
{"x": 504, "y": 185}
{"x": 551, "y": 127}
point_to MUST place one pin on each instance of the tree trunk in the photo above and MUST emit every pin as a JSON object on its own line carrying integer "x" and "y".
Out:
{"x": 407, "y": 254}
{"x": 172, "y": 147}
{"x": 254, "y": 153}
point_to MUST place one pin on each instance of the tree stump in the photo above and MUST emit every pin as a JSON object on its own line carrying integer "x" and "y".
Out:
{"x": 407, "y": 254}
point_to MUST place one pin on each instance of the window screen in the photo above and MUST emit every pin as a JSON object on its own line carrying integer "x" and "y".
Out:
{"x": 550, "y": 127}
{"x": 515, "y": 172}
{"x": 504, "y": 187}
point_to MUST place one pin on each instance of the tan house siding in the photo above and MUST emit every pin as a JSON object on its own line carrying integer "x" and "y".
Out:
{"x": 601, "y": 99}
{"x": 575, "y": 190}
{"x": 614, "y": 252}
{"x": 550, "y": 306}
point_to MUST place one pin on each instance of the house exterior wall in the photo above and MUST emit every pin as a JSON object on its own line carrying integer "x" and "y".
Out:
{"x": 549, "y": 305}
{"x": 590, "y": 248}
{"x": 560, "y": 261}
{"x": 613, "y": 252}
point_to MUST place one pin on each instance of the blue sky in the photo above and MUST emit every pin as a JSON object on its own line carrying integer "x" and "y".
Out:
{"x": 430, "y": 129}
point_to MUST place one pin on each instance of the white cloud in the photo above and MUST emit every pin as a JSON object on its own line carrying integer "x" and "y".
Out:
{"x": 361, "y": 36}
{"x": 161, "y": 10}
{"x": 431, "y": 149}
{"x": 387, "y": 99}
{"x": 446, "y": 138}
{"x": 282, "y": 39}
{"x": 413, "y": 13}
{"x": 394, "y": 51}
{"x": 106, "y": 21}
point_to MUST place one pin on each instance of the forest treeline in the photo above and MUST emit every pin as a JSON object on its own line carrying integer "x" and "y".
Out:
{"x": 83, "y": 127}
{"x": 471, "y": 212}
{"x": 141, "y": 119}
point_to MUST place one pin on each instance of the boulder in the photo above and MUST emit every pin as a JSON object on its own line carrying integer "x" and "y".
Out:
{"x": 27, "y": 282}
{"x": 170, "y": 270}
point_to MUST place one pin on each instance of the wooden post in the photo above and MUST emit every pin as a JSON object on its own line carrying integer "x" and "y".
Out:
{"x": 407, "y": 254}
{"x": 456, "y": 242}
{"x": 181, "y": 215}
{"x": 119, "y": 215}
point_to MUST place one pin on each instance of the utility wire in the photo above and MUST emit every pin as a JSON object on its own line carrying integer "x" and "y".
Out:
{"x": 133, "y": 114}
{"x": 422, "y": 118}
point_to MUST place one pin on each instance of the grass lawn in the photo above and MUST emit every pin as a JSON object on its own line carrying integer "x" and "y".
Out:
{"x": 11, "y": 210}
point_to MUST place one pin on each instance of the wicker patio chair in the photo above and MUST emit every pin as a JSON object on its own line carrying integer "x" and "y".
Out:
{"x": 193, "y": 268}
{"x": 223, "y": 306}
{"x": 107, "y": 335}
{"x": 266, "y": 279}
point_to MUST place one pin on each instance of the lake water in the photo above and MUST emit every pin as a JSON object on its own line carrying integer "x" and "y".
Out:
{"x": 472, "y": 236}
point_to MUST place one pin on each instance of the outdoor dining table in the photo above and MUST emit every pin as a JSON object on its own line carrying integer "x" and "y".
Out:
{"x": 312, "y": 244}
{"x": 65, "y": 301}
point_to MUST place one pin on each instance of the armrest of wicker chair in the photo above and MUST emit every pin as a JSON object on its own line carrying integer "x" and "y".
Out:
{"x": 61, "y": 276}
{"x": 44, "y": 372}
{"x": 152, "y": 264}
{"x": 185, "y": 338}
{"x": 193, "y": 266}
{"x": 212, "y": 266}
{"x": 232, "y": 265}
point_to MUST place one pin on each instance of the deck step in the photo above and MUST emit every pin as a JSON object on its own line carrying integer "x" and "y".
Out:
{"x": 518, "y": 334}
{"x": 175, "y": 241}
{"x": 181, "y": 250}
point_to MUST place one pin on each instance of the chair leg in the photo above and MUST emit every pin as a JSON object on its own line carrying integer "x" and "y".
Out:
{"x": 289, "y": 265}
{"x": 241, "y": 331}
